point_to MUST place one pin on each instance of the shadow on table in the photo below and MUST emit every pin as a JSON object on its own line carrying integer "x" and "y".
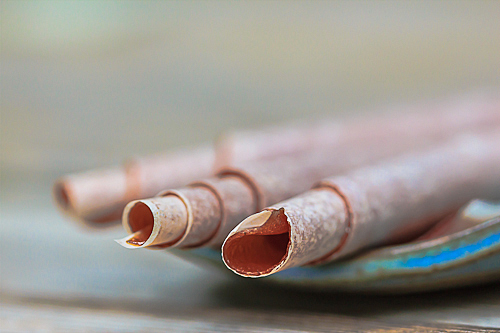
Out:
{"x": 464, "y": 305}
{"x": 251, "y": 295}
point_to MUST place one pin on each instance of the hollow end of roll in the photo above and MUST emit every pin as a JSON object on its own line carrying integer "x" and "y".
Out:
{"x": 139, "y": 220}
{"x": 95, "y": 196}
{"x": 65, "y": 201}
{"x": 159, "y": 222}
{"x": 259, "y": 245}
{"x": 62, "y": 196}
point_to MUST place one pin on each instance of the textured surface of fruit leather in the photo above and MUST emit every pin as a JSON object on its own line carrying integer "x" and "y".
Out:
{"x": 454, "y": 256}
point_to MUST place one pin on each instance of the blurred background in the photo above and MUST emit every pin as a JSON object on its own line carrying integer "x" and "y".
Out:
{"x": 90, "y": 83}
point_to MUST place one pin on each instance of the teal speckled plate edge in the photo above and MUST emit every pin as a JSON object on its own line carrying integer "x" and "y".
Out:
{"x": 467, "y": 257}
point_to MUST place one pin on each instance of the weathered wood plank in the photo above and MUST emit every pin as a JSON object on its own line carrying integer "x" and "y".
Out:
{"x": 18, "y": 316}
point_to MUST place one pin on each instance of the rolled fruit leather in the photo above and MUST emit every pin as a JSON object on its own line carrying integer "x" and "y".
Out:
{"x": 100, "y": 195}
{"x": 385, "y": 203}
{"x": 438, "y": 260}
{"x": 212, "y": 208}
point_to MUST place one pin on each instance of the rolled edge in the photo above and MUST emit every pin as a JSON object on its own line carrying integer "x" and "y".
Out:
{"x": 325, "y": 184}
{"x": 153, "y": 222}
{"x": 206, "y": 184}
{"x": 260, "y": 245}
{"x": 139, "y": 221}
{"x": 259, "y": 197}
